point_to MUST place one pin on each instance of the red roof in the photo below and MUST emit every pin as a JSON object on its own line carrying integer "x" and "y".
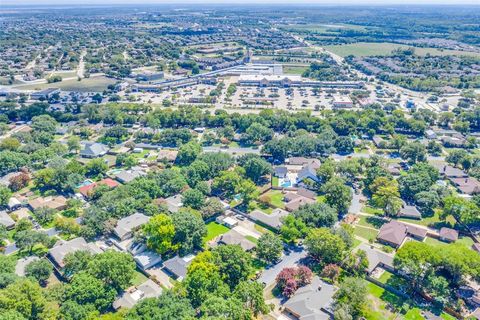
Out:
{"x": 86, "y": 190}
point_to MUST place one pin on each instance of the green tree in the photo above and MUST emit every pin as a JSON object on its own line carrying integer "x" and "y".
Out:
{"x": 193, "y": 198}
{"x": 250, "y": 293}
{"x": 188, "y": 152}
{"x": 189, "y": 231}
{"x": 352, "y": 296}
{"x": 40, "y": 270}
{"x": 269, "y": 247}
{"x": 86, "y": 289}
{"x": 337, "y": 194}
{"x": 235, "y": 265}
{"x": 414, "y": 152}
{"x": 325, "y": 246}
{"x": 160, "y": 232}
{"x": 25, "y": 297}
{"x": 168, "y": 306}
{"x": 115, "y": 269}
{"x": 316, "y": 215}
{"x": 5, "y": 195}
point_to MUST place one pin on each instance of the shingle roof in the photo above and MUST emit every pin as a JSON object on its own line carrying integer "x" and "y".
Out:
{"x": 393, "y": 232}
{"x": 449, "y": 234}
{"x": 128, "y": 224}
{"x": 59, "y": 252}
{"x": 178, "y": 265}
{"x": 273, "y": 220}
{"x": 312, "y": 300}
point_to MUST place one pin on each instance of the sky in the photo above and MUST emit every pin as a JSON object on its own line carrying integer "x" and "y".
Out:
{"x": 330, "y": 2}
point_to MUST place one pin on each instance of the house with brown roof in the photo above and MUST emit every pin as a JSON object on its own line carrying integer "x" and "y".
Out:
{"x": 57, "y": 203}
{"x": 297, "y": 203}
{"x": 167, "y": 155}
{"x": 394, "y": 233}
{"x": 448, "y": 234}
{"x": 469, "y": 186}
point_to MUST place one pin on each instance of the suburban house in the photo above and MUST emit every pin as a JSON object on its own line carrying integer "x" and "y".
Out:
{"x": 6, "y": 220}
{"x": 143, "y": 257}
{"x": 177, "y": 266}
{"x": 234, "y": 237}
{"x": 280, "y": 172}
{"x": 376, "y": 258}
{"x": 447, "y": 171}
{"x": 127, "y": 176}
{"x": 94, "y": 150}
{"x": 165, "y": 155}
{"x": 448, "y": 234}
{"x": 128, "y": 299}
{"x": 57, "y": 203}
{"x": 394, "y": 233}
{"x": 407, "y": 211}
{"x": 59, "y": 251}
{"x": 87, "y": 190}
{"x": 313, "y": 301}
{"x": 272, "y": 220}
{"x": 13, "y": 204}
{"x": 126, "y": 226}
{"x": 173, "y": 203}
{"x": 295, "y": 201}
{"x": 468, "y": 186}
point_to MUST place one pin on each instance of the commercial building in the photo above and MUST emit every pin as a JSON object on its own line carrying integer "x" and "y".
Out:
{"x": 285, "y": 81}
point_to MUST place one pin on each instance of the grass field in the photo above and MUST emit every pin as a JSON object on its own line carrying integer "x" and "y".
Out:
{"x": 214, "y": 230}
{"x": 325, "y": 28}
{"x": 96, "y": 84}
{"x": 384, "y": 49}
{"x": 297, "y": 70}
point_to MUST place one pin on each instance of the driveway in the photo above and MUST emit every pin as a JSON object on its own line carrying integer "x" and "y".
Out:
{"x": 289, "y": 260}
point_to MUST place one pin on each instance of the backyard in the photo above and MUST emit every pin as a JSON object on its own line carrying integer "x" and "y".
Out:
{"x": 214, "y": 230}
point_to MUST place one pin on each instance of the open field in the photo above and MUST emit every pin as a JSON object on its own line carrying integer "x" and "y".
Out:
{"x": 325, "y": 28}
{"x": 384, "y": 49}
{"x": 94, "y": 84}
{"x": 291, "y": 69}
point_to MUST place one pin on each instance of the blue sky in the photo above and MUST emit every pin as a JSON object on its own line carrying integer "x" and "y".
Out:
{"x": 335, "y": 2}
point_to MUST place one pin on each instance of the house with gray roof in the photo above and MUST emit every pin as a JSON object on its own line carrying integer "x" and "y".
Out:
{"x": 234, "y": 237}
{"x": 376, "y": 258}
{"x": 311, "y": 302}
{"x": 59, "y": 251}
{"x": 126, "y": 226}
{"x": 128, "y": 299}
{"x": 127, "y": 176}
{"x": 177, "y": 266}
{"x": 280, "y": 172}
{"x": 407, "y": 211}
{"x": 273, "y": 220}
{"x": 448, "y": 234}
{"x": 6, "y": 220}
{"x": 94, "y": 150}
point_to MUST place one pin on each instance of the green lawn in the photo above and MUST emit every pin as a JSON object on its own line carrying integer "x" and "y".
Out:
{"x": 371, "y": 210}
{"x": 276, "y": 198}
{"x": 385, "y": 49}
{"x": 138, "y": 278}
{"x": 372, "y": 222}
{"x": 298, "y": 70}
{"x": 365, "y": 233}
{"x": 466, "y": 241}
{"x": 434, "y": 221}
{"x": 275, "y": 181}
{"x": 95, "y": 84}
{"x": 214, "y": 229}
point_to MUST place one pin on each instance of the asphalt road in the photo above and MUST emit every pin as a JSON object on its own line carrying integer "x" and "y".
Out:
{"x": 289, "y": 260}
